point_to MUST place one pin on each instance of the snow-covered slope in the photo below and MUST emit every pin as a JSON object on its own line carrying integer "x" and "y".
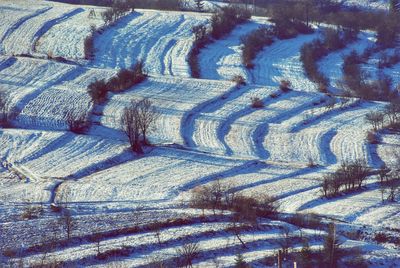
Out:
{"x": 206, "y": 132}
{"x": 161, "y": 39}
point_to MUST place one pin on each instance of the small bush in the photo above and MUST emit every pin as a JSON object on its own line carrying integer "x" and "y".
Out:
{"x": 274, "y": 95}
{"x": 285, "y": 28}
{"x": 31, "y": 212}
{"x": 257, "y": 103}
{"x": 285, "y": 85}
{"x": 306, "y": 220}
{"x": 98, "y": 91}
{"x": 113, "y": 253}
{"x": 239, "y": 80}
{"x": 311, "y": 163}
{"x": 5, "y": 116}
{"x": 187, "y": 253}
{"x": 381, "y": 238}
{"x": 10, "y": 253}
{"x": 78, "y": 122}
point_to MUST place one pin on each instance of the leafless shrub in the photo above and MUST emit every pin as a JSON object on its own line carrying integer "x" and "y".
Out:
{"x": 32, "y": 212}
{"x": 253, "y": 43}
{"x": 257, "y": 103}
{"x": 285, "y": 85}
{"x": 113, "y": 253}
{"x": 381, "y": 237}
{"x": 348, "y": 177}
{"x": 187, "y": 253}
{"x": 239, "y": 80}
{"x": 201, "y": 39}
{"x": 68, "y": 222}
{"x": 126, "y": 78}
{"x": 78, "y": 122}
{"x": 376, "y": 119}
{"x": 311, "y": 163}
{"x": 88, "y": 45}
{"x": 306, "y": 220}
{"x": 246, "y": 209}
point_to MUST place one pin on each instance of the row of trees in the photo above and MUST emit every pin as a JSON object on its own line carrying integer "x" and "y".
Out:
{"x": 117, "y": 10}
{"x": 285, "y": 26}
{"x": 125, "y": 79}
{"x": 348, "y": 177}
{"x": 357, "y": 83}
{"x": 223, "y": 22}
{"x": 388, "y": 118}
{"x": 218, "y": 196}
{"x": 311, "y": 53}
{"x": 253, "y": 43}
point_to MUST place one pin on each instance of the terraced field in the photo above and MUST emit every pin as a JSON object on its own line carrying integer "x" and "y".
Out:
{"x": 207, "y": 131}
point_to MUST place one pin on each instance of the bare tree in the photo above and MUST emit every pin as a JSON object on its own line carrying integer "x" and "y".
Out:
{"x": 130, "y": 125}
{"x": 392, "y": 110}
{"x": 96, "y": 238}
{"x": 136, "y": 122}
{"x": 68, "y": 222}
{"x": 375, "y": 119}
{"x": 286, "y": 242}
{"x": 4, "y": 109}
{"x": 187, "y": 253}
{"x": 66, "y": 219}
{"x": 147, "y": 117}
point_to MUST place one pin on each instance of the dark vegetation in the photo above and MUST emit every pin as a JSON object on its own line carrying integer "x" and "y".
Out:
{"x": 223, "y": 22}
{"x": 253, "y": 43}
{"x": 218, "y": 196}
{"x": 311, "y": 53}
{"x": 349, "y": 22}
{"x": 286, "y": 26}
{"x": 347, "y": 178}
{"x": 388, "y": 61}
{"x": 239, "y": 80}
{"x": 78, "y": 123}
{"x": 125, "y": 79}
{"x": 116, "y": 10}
{"x": 136, "y": 121}
{"x": 5, "y": 116}
{"x": 151, "y": 4}
{"x": 356, "y": 82}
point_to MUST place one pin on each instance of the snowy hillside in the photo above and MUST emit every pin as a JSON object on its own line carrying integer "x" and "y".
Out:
{"x": 207, "y": 132}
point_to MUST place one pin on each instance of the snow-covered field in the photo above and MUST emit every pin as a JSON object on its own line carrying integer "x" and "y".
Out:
{"x": 206, "y": 131}
{"x": 162, "y": 40}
